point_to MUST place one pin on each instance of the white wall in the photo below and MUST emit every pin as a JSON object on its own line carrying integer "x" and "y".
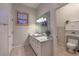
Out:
{"x": 21, "y": 32}
{"x": 51, "y": 7}
{"x": 67, "y": 12}
{"x": 10, "y": 27}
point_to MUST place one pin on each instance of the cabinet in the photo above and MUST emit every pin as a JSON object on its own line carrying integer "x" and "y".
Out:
{"x": 41, "y": 48}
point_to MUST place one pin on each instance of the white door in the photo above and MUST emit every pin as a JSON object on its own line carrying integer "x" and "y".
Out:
{"x": 4, "y": 49}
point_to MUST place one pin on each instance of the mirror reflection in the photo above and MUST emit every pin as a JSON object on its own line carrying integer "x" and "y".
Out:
{"x": 43, "y": 24}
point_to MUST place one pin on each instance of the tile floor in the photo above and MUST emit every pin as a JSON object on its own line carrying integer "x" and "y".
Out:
{"x": 22, "y": 51}
{"x": 28, "y": 51}
{"x": 61, "y": 51}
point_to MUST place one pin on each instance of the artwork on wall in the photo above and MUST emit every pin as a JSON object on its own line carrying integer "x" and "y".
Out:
{"x": 22, "y": 18}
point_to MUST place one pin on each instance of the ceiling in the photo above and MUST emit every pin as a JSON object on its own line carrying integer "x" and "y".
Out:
{"x": 33, "y": 5}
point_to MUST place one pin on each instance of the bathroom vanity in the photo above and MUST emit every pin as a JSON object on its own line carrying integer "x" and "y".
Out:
{"x": 41, "y": 45}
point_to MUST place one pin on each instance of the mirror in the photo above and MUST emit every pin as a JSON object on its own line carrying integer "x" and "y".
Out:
{"x": 43, "y": 23}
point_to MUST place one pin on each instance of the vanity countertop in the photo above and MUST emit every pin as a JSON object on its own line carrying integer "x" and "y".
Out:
{"x": 42, "y": 38}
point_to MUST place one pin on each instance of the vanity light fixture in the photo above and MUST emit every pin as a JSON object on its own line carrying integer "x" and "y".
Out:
{"x": 41, "y": 20}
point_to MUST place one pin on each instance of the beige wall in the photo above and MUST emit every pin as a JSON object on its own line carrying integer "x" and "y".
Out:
{"x": 21, "y": 32}
{"x": 69, "y": 12}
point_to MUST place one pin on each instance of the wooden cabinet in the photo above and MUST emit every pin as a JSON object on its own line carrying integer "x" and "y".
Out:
{"x": 41, "y": 48}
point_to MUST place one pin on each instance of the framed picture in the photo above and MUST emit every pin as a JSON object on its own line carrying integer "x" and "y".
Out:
{"x": 22, "y": 18}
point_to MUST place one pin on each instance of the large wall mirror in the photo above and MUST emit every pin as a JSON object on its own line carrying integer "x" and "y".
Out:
{"x": 43, "y": 23}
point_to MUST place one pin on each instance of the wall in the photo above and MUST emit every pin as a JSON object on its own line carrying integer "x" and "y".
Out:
{"x": 21, "y": 32}
{"x": 10, "y": 27}
{"x": 50, "y": 7}
{"x": 69, "y": 12}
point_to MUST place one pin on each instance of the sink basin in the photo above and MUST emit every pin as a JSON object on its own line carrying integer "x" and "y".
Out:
{"x": 37, "y": 35}
{"x": 42, "y": 38}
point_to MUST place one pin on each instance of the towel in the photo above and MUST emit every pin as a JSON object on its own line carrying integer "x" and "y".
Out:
{"x": 72, "y": 43}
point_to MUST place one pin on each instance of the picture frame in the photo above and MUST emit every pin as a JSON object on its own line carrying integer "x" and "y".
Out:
{"x": 22, "y": 18}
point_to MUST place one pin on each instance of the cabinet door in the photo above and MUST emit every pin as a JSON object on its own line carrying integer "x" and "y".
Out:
{"x": 4, "y": 49}
{"x": 38, "y": 47}
{"x": 46, "y": 48}
{"x": 31, "y": 41}
{"x": 34, "y": 44}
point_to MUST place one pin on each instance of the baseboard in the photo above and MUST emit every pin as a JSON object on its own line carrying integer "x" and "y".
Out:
{"x": 10, "y": 52}
{"x": 13, "y": 48}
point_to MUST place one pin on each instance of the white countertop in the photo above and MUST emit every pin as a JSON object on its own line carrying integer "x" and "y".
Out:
{"x": 42, "y": 38}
